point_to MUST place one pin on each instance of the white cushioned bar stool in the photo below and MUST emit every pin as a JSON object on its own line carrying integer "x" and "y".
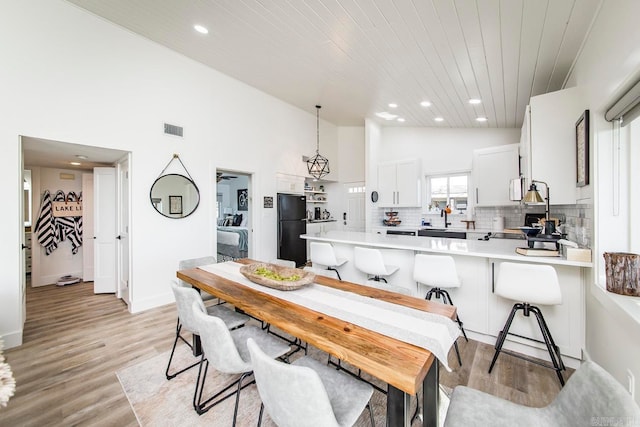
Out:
{"x": 439, "y": 272}
{"x": 529, "y": 284}
{"x": 323, "y": 254}
{"x": 370, "y": 262}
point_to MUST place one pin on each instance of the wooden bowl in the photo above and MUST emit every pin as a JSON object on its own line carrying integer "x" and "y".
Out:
{"x": 304, "y": 277}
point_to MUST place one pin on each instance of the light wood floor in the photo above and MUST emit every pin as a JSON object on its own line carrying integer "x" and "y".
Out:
{"x": 75, "y": 341}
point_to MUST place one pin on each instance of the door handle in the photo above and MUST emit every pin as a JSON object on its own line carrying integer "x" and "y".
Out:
{"x": 24, "y": 246}
{"x": 493, "y": 278}
{"x": 476, "y": 194}
{"x": 119, "y": 237}
{"x": 344, "y": 216}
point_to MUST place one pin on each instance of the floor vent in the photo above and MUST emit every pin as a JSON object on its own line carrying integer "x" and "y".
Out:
{"x": 173, "y": 129}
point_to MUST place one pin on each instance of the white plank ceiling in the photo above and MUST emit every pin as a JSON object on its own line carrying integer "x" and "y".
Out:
{"x": 354, "y": 57}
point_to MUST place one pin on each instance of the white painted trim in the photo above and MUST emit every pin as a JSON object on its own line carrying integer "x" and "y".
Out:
{"x": 140, "y": 305}
{"x": 624, "y": 308}
{"x": 52, "y": 279}
{"x": 526, "y": 349}
{"x": 12, "y": 339}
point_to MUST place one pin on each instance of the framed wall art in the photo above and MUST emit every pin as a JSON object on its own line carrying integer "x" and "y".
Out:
{"x": 243, "y": 200}
{"x": 175, "y": 205}
{"x": 582, "y": 150}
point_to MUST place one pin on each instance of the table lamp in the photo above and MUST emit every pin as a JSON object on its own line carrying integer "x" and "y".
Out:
{"x": 533, "y": 197}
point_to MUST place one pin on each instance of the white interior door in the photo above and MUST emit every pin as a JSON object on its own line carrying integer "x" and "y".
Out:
{"x": 87, "y": 228}
{"x": 353, "y": 216}
{"x": 123, "y": 231}
{"x": 105, "y": 230}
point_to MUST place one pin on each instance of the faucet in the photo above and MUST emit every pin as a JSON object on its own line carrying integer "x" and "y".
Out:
{"x": 443, "y": 213}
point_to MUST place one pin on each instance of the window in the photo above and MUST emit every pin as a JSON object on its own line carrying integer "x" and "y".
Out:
{"x": 219, "y": 199}
{"x": 443, "y": 190}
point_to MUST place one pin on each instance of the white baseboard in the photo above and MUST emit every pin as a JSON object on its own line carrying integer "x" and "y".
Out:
{"x": 138, "y": 306}
{"x": 51, "y": 279}
{"x": 12, "y": 339}
{"x": 529, "y": 350}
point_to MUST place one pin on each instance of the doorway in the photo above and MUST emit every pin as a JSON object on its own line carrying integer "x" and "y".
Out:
{"x": 353, "y": 217}
{"x": 63, "y": 167}
{"x": 234, "y": 207}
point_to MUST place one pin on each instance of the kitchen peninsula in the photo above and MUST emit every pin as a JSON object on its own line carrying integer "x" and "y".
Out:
{"x": 478, "y": 264}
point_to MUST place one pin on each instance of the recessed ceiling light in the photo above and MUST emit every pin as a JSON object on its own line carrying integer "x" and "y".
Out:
{"x": 386, "y": 116}
{"x": 474, "y": 101}
{"x": 76, "y": 163}
{"x": 425, "y": 104}
{"x": 201, "y": 29}
{"x": 393, "y": 105}
{"x": 81, "y": 157}
{"x": 481, "y": 119}
{"x": 439, "y": 119}
{"x": 400, "y": 119}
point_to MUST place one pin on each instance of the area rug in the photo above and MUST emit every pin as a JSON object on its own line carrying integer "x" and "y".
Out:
{"x": 159, "y": 402}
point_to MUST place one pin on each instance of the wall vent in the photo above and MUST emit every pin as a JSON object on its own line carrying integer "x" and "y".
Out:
{"x": 173, "y": 129}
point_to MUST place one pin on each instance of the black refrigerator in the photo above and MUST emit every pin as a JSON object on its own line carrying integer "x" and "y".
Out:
{"x": 292, "y": 222}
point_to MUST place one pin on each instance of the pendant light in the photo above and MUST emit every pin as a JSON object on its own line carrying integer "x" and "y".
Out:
{"x": 318, "y": 166}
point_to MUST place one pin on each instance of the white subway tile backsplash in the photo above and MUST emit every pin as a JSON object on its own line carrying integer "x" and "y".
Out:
{"x": 576, "y": 220}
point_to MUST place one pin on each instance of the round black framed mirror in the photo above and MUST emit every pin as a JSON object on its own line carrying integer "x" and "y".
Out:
{"x": 174, "y": 196}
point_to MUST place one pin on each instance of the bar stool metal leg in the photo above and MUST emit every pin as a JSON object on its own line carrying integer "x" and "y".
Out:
{"x": 503, "y": 334}
{"x": 446, "y": 299}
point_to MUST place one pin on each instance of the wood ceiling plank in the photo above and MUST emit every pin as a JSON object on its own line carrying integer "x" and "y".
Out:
{"x": 532, "y": 31}
{"x": 469, "y": 18}
{"x": 490, "y": 28}
{"x": 580, "y": 20}
{"x": 555, "y": 27}
{"x": 511, "y": 26}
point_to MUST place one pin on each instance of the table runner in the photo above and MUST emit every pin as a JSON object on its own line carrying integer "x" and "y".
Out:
{"x": 430, "y": 331}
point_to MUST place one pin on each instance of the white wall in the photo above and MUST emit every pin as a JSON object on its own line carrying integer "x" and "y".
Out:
{"x": 72, "y": 77}
{"x": 351, "y": 152}
{"x": 608, "y": 64}
{"x": 47, "y": 269}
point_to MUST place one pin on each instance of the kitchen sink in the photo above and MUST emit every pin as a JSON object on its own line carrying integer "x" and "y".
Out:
{"x": 442, "y": 232}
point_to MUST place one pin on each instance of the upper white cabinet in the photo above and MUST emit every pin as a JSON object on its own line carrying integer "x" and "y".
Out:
{"x": 493, "y": 169}
{"x": 291, "y": 184}
{"x": 399, "y": 184}
{"x": 548, "y": 143}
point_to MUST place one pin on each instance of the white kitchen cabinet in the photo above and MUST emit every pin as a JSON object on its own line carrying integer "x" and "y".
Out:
{"x": 493, "y": 169}
{"x": 566, "y": 321}
{"x": 290, "y": 184}
{"x": 399, "y": 184}
{"x": 548, "y": 144}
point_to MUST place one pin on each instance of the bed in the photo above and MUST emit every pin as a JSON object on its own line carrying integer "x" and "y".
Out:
{"x": 232, "y": 243}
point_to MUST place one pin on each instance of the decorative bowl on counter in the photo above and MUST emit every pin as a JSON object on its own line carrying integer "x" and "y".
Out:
{"x": 276, "y": 276}
{"x": 530, "y": 231}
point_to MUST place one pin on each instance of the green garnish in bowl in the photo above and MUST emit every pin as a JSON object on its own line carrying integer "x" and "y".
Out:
{"x": 270, "y": 274}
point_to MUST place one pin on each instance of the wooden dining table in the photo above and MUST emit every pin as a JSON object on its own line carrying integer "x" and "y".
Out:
{"x": 402, "y": 366}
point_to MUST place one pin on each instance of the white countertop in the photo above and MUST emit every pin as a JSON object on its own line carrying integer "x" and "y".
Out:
{"x": 493, "y": 248}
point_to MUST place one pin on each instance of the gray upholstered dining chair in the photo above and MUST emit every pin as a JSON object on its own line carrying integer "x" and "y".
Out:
{"x": 307, "y": 393}
{"x": 591, "y": 396}
{"x": 185, "y": 297}
{"x": 227, "y": 352}
{"x": 193, "y": 263}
